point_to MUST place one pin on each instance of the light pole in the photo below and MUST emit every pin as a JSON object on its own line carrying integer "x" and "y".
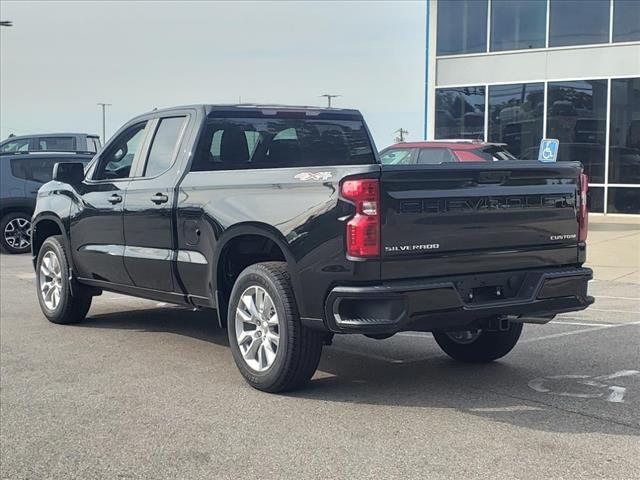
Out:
{"x": 329, "y": 97}
{"x": 104, "y": 135}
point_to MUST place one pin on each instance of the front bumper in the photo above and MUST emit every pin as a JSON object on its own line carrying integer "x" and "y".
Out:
{"x": 456, "y": 302}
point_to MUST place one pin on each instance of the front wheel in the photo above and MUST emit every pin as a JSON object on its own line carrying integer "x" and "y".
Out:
{"x": 479, "y": 346}
{"x": 272, "y": 349}
{"x": 54, "y": 290}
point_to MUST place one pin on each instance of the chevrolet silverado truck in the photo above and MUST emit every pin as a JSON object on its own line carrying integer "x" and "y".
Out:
{"x": 284, "y": 221}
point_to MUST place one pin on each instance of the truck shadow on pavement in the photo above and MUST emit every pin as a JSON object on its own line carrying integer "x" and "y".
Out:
{"x": 496, "y": 391}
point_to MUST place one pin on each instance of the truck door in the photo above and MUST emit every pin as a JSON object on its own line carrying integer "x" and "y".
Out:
{"x": 148, "y": 208}
{"x": 97, "y": 237}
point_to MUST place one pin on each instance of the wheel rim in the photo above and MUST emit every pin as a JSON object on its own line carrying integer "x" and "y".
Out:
{"x": 50, "y": 280}
{"x": 464, "y": 337}
{"x": 17, "y": 233}
{"x": 257, "y": 328}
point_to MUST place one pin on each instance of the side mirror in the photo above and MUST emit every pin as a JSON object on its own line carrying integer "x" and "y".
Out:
{"x": 69, "y": 172}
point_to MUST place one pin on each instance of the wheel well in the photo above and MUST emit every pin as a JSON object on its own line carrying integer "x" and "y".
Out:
{"x": 43, "y": 230}
{"x": 8, "y": 210}
{"x": 238, "y": 254}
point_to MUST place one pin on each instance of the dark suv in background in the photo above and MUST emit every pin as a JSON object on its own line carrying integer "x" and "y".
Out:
{"x": 21, "y": 175}
{"x": 52, "y": 142}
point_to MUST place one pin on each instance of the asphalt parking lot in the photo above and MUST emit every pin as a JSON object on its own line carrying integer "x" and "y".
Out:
{"x": 142, "y": 390}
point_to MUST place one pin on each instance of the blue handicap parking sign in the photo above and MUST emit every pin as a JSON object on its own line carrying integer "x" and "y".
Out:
{"x": 548, "y": 150}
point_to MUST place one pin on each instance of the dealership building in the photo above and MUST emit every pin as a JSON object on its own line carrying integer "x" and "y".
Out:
{"x": 517, "y": 71}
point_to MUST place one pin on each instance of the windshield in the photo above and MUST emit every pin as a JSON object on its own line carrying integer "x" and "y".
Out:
{"x": 495, "y": 153}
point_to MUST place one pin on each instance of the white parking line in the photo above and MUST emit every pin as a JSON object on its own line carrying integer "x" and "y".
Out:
{"x": 582, "y": 324}
{"x": 577, "y": 332}
{"x": 618, "y": 298}
{"x": 591, "y": 309}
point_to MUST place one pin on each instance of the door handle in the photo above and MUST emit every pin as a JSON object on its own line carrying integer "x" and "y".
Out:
{"x": 115, "y": 198}
{"x": 159, "y": 198}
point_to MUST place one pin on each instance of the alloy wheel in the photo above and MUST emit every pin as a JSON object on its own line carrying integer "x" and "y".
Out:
{"x": 50, "y": 280}
{"x": 257, "y": 328}
{"x": 17, "y": 233}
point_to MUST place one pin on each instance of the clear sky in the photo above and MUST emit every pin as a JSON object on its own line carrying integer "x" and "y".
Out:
{"x": 60, "y": 58}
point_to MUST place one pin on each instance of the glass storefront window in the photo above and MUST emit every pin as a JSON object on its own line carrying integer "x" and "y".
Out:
{"x": 516, "y": 116}
{"x": 576, "y": 116}
{"x": 518, "y": 24}
{"x": 578, "y": 22}
{"x": 460, "y": 113}
{"x": 623, "y": 200}
{"x": 624, "y": 131}
{"x": 462, "y": 27}
{"x": 595, "y": 199}
{"x": 626, "y": 20}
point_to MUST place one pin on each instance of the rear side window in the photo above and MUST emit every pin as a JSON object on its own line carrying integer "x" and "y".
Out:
{"x": 57, "y": 144}
{"x": 163, "y": 148}
{"x": 435, "y": 155}
{"x": 243, "y": 143}
{"x": 35, "y": 169}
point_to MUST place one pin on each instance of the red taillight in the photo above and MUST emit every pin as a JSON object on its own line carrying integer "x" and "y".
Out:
{"x": 583, "y": 212}
{"x": 363, "y": 230}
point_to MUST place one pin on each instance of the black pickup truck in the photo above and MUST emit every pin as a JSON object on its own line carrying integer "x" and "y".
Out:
{"x": 283, "y": 220}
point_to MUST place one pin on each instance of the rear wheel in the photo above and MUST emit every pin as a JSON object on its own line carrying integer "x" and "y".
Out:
{"x": 479, "y": 346}
{"x": 54, "y": 290}
{"x": 271, "y": 348}
{"x": 15, "y": 229}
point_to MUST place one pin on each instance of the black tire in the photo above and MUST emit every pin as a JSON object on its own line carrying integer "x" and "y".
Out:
{"x": 70, "y": 308}
{"x": 17, "y": 235}
{"x": 299, "y": 348}
{"x": 487, "y": 347}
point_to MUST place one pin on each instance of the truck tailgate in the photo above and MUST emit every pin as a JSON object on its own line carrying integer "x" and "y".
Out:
{"x": 451, "y": 219}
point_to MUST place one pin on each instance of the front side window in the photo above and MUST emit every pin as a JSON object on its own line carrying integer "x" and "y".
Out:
{"x": 116, "y": 162}
{"x": 626, "y": 20}
{"x": 462, "y": 27}
{"x": 57, "y": 144}
{"x": 396, "y": 156}
{"x": 576, "y": 116}
{"x": 21, "y": 145}
{"x": 163, "y": 148}
{"x": 578, "y": 22}
{"x": 518, "y": 24}
{"x": 516, "y": 117}
{"x": 249, "y": 143}
{"x": 460, "y": 113}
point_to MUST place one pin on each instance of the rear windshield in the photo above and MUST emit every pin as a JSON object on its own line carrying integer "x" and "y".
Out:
{"x": 494, "y": 153}
{"x": 243, "y": 143}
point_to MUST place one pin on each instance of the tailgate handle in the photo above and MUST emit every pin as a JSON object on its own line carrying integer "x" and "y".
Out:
{"x": 492, "y": 177}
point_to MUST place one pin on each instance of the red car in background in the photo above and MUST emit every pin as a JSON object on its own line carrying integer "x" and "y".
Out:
{"x": 444, "y": 151}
